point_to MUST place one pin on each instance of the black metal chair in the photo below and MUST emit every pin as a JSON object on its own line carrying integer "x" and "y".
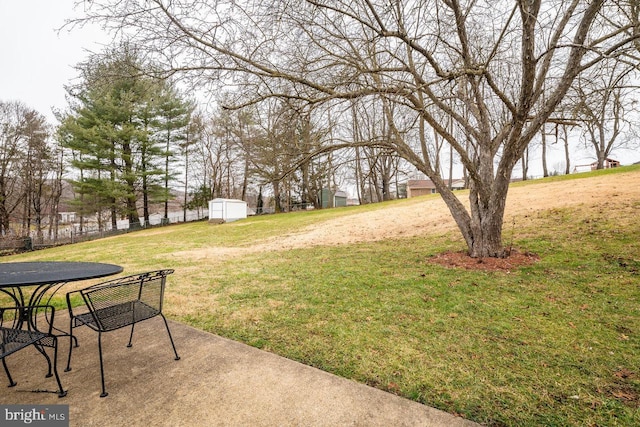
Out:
{"x": 19, "y": 329}
{"x": 116, "y": 304}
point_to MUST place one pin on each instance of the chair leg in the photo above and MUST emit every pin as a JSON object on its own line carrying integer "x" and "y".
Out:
{"x": 61, "y": 391}
{"x": 71, "y": 340}
{"x": 104, "y": 392}
{"x": 6, "y": 369}
{"x": 131, "y": 336}
{"x": 170, "y": 337}
{"x": 46, "y": 356}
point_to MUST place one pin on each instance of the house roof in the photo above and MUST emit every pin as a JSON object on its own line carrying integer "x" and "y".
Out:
{"x": 420, "y": 183}
{"x": 608, "y": 160}
{"x": 428, "y": 184}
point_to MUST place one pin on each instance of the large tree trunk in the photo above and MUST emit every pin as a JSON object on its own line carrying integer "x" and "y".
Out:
{"x": 482, "y": 227}
{"x": 486, "y": 224}
{"x": 276, "y": 196}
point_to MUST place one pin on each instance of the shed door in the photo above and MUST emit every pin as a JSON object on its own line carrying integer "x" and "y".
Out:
{"x": 216, "y": 210}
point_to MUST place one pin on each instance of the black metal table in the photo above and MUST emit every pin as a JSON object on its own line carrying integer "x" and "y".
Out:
{"x": 44, "y": 276}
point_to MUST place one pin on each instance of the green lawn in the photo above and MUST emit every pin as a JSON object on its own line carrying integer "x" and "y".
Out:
{"x": 555, "y": 343}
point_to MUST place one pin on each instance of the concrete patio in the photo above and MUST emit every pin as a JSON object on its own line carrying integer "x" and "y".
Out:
{"x": 217, "y": 382}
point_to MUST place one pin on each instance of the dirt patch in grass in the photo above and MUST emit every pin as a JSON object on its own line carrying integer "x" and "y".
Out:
{"x": 432, "y": 215}
{"x": 623, "y": 389}
{"x": 463, "y": 260}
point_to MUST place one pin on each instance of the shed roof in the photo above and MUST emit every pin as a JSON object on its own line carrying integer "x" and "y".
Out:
{"x": 220, "y": 199}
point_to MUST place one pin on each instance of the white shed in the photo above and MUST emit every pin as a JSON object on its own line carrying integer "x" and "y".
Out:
{"x": 227, "y": 209}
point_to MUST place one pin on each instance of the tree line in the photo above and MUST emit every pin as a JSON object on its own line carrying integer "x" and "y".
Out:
{"x": 129, "y": 142}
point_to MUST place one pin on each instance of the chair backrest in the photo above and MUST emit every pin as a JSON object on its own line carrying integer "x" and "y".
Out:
{"x": 126, "y": 300}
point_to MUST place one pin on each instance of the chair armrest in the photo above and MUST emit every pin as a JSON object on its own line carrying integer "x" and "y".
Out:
{"x": 69, "y": 296}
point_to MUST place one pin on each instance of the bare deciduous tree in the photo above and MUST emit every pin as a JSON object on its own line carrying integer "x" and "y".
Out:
{"x": 37, "y": 163}
{"x": 26, "y": 165}
{"x": 603, "y": 104}
{"x": 11, "y": 117}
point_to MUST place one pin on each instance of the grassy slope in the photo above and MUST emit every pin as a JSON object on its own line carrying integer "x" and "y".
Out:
{"x": 556, "y": 343}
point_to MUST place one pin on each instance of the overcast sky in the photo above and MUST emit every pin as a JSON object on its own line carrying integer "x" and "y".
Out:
{"x": 35, "y": 61}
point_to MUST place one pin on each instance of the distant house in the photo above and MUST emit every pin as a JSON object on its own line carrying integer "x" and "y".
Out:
{"x": 67, "y": 217}
{"x": 420, "y": 187}
{"x": 608, "y": 164}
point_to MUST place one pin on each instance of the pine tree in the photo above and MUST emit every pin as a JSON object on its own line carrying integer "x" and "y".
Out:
{"x": 109, "y": 132}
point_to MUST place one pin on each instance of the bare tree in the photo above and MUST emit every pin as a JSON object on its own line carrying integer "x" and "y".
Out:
{"x": 498, "y": 70}
{"x": 11, "y": 117}
{"x": 603, "y": 104}
{"x": 26, "y": 163}
{"x": 565, "y": 140}
{"x": 57, "y": 187}
{"x": 276, "y": 150}
{"x": 223, "y": 136}
{"x": 193, "y": 134}
{"x": 377, "y": 165}
{"x": 37, "y": 164}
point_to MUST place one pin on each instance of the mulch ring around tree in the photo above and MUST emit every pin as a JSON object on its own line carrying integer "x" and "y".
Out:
{"x": 461, "y": 259}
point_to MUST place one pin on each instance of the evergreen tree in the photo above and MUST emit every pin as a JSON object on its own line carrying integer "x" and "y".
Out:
{"x": 119, "y": 127}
